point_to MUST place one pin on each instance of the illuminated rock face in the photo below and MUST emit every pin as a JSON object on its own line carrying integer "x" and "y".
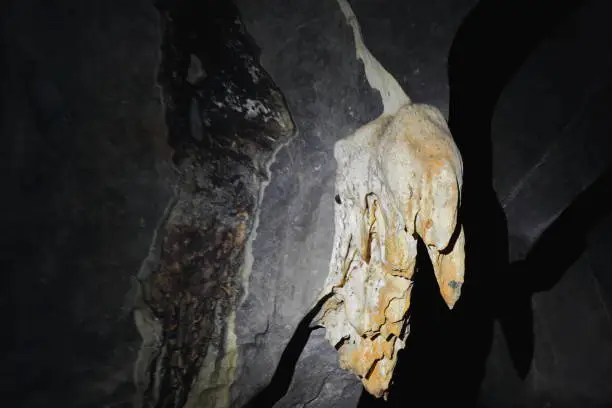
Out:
{"x": 398, "y": 178}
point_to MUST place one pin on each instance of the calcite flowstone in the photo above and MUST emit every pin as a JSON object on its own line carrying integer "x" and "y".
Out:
{"x": 399, "y": 178}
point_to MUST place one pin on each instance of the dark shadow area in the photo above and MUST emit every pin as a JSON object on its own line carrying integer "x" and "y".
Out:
{"x": 565, "y": 240}
{"x": 445, "y": 348}
{"x": 489, "y": 48}
{"x": 556, "y": 250}
{"x": 281, "y": 380}
{"x": 449, "y": 348}
{"x": 418, "y": 376}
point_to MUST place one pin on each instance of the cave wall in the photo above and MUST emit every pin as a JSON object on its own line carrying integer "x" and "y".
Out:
{"x": 88, "y": 175}
{"x": 84, "y": 147}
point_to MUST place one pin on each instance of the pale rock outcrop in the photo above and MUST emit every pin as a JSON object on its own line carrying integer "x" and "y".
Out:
{"x": 398, "y": 178}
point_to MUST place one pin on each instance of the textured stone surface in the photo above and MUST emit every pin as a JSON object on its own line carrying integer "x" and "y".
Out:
{"x": 411, "y": 40}
{"x": 84, "y": 185}
{"x": 399, "y": 178}
{"x": 326, "y": 384}
{"x": 226, "y": 120}
{"x": 329, "y": 97}
{"x": 84, "y": 182}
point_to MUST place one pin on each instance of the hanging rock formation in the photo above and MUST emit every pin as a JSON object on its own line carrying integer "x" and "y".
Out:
{"x": 398, "y": 178}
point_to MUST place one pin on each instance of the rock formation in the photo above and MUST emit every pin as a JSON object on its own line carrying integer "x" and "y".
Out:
{"x": 399, "y": 179}
{"x": 240, "y": 222}
{"x": 226, "y": 121}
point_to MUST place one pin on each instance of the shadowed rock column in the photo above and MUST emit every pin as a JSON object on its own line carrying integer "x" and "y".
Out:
{"x": 226, "y": 120}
